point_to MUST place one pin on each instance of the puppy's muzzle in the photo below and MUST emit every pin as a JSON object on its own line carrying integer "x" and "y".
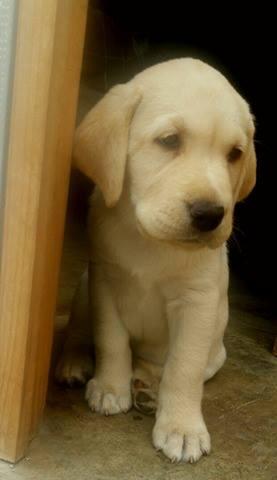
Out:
{"x": 206, "y": 216}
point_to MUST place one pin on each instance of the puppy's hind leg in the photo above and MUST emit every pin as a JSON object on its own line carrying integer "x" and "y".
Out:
{"x": 145, "y": 386}
{"x": 75, "y": 365}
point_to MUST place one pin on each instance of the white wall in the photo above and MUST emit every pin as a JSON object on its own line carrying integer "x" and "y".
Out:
{"x": 8, "y": 16}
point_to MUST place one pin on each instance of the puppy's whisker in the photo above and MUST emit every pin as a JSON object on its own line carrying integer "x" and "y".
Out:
{"x": 234, "y": 240}
{"x": 238, "y": 230}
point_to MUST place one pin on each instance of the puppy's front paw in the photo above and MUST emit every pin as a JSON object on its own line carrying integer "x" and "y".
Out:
{"x": 181, "y": 442}
{"x": 108, "y": 400}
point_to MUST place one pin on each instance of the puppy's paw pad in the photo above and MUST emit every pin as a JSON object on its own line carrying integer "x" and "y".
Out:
{"x": 170, "y": 443}
{"x": 106, "y": 400}
{"x": 74, "y": 370}
{"x": 177, "y": 445}
{"x": 196, "y": 445}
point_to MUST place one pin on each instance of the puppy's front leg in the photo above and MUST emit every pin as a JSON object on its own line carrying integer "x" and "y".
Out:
{"x": 180, "y": 431}
{"x": 109, "y": 392}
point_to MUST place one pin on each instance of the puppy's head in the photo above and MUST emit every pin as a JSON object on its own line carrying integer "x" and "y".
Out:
{"x": 182, "y": 138}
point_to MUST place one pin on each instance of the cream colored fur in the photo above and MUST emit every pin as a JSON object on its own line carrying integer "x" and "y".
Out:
{"x": 158, "y": 288}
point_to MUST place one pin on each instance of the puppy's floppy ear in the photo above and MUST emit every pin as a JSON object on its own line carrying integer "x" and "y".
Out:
{"x": 249, "y": 175}
{"x": 249, "y": 172}
{"x": 101, "y": 141}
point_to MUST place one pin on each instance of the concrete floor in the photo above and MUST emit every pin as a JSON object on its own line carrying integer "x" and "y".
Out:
{"x": 240, "y": 407}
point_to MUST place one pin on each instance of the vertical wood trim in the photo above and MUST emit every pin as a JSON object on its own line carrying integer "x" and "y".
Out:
{"x": 47, "y": 67}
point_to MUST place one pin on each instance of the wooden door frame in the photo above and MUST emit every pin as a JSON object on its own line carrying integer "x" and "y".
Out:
{"x": 49, "y": 44}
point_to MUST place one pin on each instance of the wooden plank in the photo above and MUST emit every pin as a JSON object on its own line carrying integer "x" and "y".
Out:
{"x": 47, "y": 68}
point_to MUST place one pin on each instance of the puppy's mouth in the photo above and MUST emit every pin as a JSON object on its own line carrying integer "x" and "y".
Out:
{"x": 181, "y": 241}
{"x": 196, "y": 241}
{"x": 215, "y": 239}
{"x": 212, "y": 242}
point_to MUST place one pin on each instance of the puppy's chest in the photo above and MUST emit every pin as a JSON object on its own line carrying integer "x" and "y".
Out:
{"x": 141, "y": 308}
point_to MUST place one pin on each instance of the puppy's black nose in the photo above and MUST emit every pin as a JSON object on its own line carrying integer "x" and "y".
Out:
{"x": 205, "y": 215}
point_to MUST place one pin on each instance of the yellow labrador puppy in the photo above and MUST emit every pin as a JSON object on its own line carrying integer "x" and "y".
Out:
{"x": 171, "y": 152}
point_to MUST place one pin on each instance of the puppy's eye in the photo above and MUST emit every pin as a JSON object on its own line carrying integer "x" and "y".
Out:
{"x": 170, "y": 141}
{"x": 234, "y": 155}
